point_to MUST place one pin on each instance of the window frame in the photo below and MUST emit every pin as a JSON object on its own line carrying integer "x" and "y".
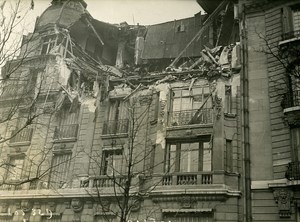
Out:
{"x": 111, "y": 151}
{"x": 178, "y": 151}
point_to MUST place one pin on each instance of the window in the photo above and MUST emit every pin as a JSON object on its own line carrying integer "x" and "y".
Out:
{"x": 296, "y": 18}
{"x": 68, "y": 124}
{"x": 112, "y": 161}
{"x": 291, "y": 21}
{"x": 295, "y": 139}
{"x": 117, "y": 118}
{"x": 60, "y": 170}
{"x": 155, "y": 108}
{"x": 48, "y": 43}
{"x": 15, "y": 167}
{"x": 228, "y": 99}
{"x": 188, "y": 157}
{"x": 191, "y": 106}
{"x": 228, "y": 156}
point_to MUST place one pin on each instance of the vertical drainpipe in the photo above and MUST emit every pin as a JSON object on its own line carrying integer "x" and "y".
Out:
{"x": 246, "y": 171}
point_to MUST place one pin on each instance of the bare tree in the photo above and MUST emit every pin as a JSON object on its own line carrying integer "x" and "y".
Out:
{"x": 127, "y": 163}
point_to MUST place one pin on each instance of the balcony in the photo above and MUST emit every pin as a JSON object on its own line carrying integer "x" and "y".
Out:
{"x": 190, "y": 117}
{"x": 66, "y": 132}
{"x": 180, "y": 179}
{"x": 291, "y": 35}
{"x": 21, "y": 138}
{"x": 293, "y": 171}
{"x": 115, "y": 127}
{"x": 291, "y": 105}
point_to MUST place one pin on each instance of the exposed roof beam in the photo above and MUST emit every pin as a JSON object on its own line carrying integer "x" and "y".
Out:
{"x": 205, "y": 25}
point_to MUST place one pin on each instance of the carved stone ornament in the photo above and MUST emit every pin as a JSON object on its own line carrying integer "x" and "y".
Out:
{"x": 26, "y": 206}
{"x": 284, "y": 198}
{"x": 76, "y": 205}
{"x": 135, "y": 204}
{"x": 4, "y": 208}
{"x": 187, "y": 201}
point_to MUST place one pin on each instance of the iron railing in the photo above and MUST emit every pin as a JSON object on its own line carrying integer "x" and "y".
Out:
{"x": 290, "y": 35}
{"x": 23, "y": 136}
{"x": 189, "y": 117}
{"x": 115, "y": 127}
{"x": 293, "y": 171}
{"x": 291, "y": 99}
{"x": 66, "y": 132}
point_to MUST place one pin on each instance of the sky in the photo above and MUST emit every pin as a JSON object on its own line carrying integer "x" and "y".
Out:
{"x": 144, "y": 12}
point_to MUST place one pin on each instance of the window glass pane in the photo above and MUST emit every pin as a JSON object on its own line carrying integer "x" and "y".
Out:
{"x": 186, "y": 103}
{"x": 172, "y": 158}
{"x": 177, "y": 104}
{"x": 177, "y": 93}
{"x": 189, "y": 157}
{"x": 197, "y": 91}
{"x": 186, "y": 92}
{"x": 206, "y": 156}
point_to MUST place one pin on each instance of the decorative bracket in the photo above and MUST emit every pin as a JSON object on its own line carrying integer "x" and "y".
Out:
{"x": 283, "y": 198}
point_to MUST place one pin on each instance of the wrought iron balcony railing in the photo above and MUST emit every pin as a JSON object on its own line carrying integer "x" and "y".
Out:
{"x": 292, "y": 99}
{"x": 189, "y": 117}
{"x": 21, "y": 137}
{"x": 293, "y": 171}
{"x": 66, "y": 132}
{"x": 115, "y": 127}
{"x": 290, "y": 35}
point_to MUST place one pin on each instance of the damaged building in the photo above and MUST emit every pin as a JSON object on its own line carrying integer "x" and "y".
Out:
{"x": 117, "y": 122}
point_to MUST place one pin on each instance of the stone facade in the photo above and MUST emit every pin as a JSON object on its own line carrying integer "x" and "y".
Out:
{"x": 269, "y": 42}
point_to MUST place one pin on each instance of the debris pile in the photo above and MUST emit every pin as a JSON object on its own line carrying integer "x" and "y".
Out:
{"x": 220, "y": 60}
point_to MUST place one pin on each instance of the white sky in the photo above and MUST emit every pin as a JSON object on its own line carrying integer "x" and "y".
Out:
{"x": 144, "y": 12}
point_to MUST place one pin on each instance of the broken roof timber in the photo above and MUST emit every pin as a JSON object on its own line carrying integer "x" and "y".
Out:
{"x": 205, "y": 25}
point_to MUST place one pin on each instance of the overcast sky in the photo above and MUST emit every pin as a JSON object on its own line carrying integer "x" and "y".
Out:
{"x": 144, "y": 12}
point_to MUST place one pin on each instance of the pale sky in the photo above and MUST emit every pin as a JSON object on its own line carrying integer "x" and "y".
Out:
{"x": 144, "y": 12}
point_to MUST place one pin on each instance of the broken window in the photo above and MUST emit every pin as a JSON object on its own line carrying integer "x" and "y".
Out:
{"x": 60, "y": 170}
{"x": 112, "y": 161}
{"x": 48, "y": 43}
{"x": 188, "y": 156}
{"x": 117, "y": 118}
{"x": 191, "y": 106}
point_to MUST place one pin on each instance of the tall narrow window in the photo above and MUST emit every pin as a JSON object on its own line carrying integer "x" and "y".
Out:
{"x": 60, "y": 170}
{"x": 295, "y": 139}
{"x": 228, "y": 99}
{"x": 112, "y": 161}
{"x": 188, "y": 157}
{"x": 117, "y": 118}
{"x": 228, "y": 156}
{"x": 15, "y": 167}
{"x": 68, "y": 125}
